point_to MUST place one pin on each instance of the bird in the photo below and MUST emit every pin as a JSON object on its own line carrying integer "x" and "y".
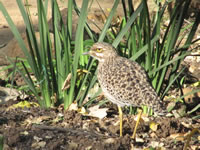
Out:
{"x": 123, "y": 81}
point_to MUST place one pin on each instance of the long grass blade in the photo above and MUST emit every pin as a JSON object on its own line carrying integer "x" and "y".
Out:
{"x": 78, "y": 51}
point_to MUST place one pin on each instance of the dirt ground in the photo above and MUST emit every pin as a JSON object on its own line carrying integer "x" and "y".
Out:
{"x": 37, "y": 128}
{"x": 56, "y": 129}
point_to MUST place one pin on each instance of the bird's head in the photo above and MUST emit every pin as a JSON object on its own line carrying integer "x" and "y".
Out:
{"x": 101, "y": 51}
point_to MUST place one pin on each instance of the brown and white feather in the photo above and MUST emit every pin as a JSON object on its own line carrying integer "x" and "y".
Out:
{"x": 124, "y": 82}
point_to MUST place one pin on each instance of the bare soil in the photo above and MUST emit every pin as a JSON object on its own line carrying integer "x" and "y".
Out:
{"x": 54, "y": 128}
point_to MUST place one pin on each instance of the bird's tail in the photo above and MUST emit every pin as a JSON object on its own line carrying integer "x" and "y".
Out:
{"x": 160, "y": 108}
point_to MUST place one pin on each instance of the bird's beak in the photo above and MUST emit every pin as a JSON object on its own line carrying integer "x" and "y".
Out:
{"x": 86, "y": 53}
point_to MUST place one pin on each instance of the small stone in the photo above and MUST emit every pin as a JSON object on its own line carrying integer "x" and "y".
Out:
{"x": 109, "y": 140}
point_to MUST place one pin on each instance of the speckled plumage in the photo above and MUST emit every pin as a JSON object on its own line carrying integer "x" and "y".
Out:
{"x": 124, "y": 82}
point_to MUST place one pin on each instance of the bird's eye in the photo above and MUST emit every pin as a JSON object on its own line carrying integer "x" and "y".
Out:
{"x": 99, "y": 50}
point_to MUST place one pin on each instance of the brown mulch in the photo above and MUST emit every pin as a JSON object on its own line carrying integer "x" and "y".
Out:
{"x": 54, "y": 128}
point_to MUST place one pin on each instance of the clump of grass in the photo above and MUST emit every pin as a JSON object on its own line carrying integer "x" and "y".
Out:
{"x": 52, "y": 66}
{"x": 143, "y": 42}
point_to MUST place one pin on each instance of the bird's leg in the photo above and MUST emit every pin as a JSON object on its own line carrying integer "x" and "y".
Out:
{"x": 120, "y": 119}
{"x": 137, "y": 123}
{"x": 188, "y": 137}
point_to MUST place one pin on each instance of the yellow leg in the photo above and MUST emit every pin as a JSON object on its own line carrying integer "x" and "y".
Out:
{"x": 120, "y": 119}
{"x": 137, "y": 123}
{"x": 188, "y": 137}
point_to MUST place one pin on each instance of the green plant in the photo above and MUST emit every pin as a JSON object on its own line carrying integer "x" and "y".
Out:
{"x": 146, "y": 43}
{"x": 157, "y": 53}
{"x": 1, "y": 142}
{"x": 143, "y": 42}
{"x": 51, "y": 66}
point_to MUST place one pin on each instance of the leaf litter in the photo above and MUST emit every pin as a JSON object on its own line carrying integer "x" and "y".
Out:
{"x": 54, "y": 128}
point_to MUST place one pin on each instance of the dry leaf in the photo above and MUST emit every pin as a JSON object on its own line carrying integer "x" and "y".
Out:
{"x": 66, "y": 83}
{"x": 35, "y": 120}
{"x": 73, "y": 106}
{"x": 24, "y": 133}
{"x": 178, "y": 136}
{"x": 83, "y": 111}
{"x": 95, "y": 111}
{"x": 196, "y": 84}
{"x": 109, "y": 140}
{"x": 153, "y": 126}
{"x": 139, "y": 140}
{"x": 23, "y": 104}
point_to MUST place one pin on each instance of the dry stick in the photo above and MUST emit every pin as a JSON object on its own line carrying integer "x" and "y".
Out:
{"x": 70, "y": 130}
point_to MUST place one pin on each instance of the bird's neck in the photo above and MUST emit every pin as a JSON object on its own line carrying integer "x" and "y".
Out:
{"x": 106, "y": 62}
